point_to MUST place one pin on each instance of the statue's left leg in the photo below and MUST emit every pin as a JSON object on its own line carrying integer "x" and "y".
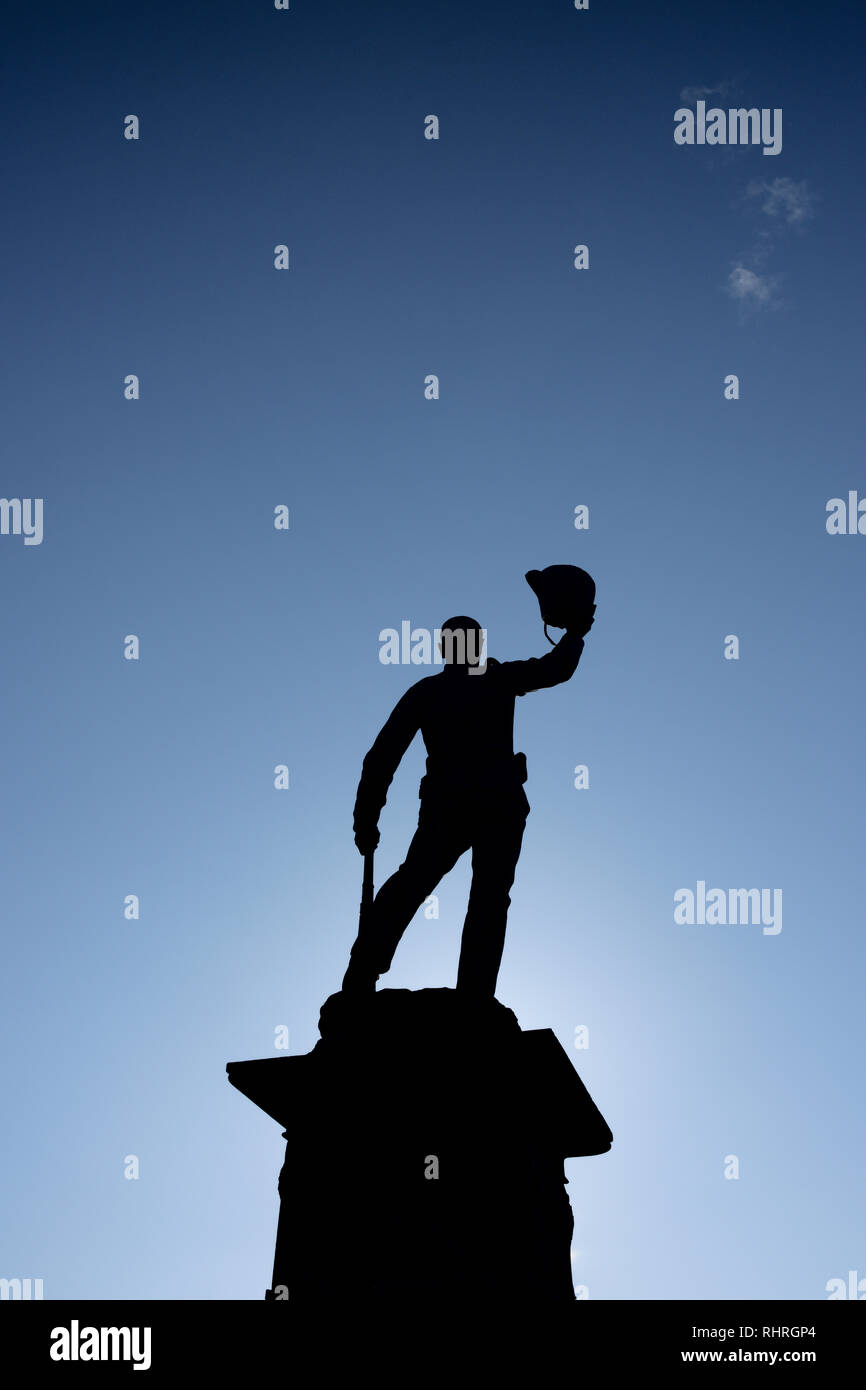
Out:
{"x": 436, "y": 846}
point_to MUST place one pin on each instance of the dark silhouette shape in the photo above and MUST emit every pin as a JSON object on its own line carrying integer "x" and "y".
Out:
{"x": 562, "y": 591}
{"x": 472, "y": 793}
{"x": 426, "y": 1135}
{"x": 426, "y": 1132}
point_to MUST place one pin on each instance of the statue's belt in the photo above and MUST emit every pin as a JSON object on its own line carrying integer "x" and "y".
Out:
{"x": 480, "y": 777}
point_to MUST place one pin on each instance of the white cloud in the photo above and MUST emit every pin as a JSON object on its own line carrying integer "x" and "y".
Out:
{"x": 792, "y": 200}
{"x": 691, "y": 94}
{"x": 782, "y": 201}
{"x": 746, "y": 286}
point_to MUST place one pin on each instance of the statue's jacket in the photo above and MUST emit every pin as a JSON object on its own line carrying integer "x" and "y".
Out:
{"x": 466, "y": 718}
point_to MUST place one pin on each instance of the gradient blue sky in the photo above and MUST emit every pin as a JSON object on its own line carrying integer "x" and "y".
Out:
{"x": 305, "y": 387}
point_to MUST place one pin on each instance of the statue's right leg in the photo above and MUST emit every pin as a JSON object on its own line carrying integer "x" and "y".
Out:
{"x": 436, "y": 846}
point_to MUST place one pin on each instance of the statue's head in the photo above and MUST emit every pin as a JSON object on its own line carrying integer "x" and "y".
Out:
{"x": 461, "y": 642}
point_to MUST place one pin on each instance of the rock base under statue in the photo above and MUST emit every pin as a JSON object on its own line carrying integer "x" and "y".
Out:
{"x": 426, "y": 1138}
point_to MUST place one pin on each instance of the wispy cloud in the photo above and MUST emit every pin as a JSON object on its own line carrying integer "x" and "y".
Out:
{"x": 784, "y": 197}
{"x": 691, "y": 94}
{"x": 776, "y": 204}
{"x": 750, "y": 288}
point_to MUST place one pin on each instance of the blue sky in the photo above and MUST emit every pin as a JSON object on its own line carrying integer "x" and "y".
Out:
{"x": 305, "y": 388}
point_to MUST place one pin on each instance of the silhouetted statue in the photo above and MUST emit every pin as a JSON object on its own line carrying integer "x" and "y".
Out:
{"x": 457, "y": 1189}
{"x": 472, "y": 794}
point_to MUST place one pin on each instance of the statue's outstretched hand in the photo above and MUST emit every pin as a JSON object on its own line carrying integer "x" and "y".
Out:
{"x": 582, "y": 621}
